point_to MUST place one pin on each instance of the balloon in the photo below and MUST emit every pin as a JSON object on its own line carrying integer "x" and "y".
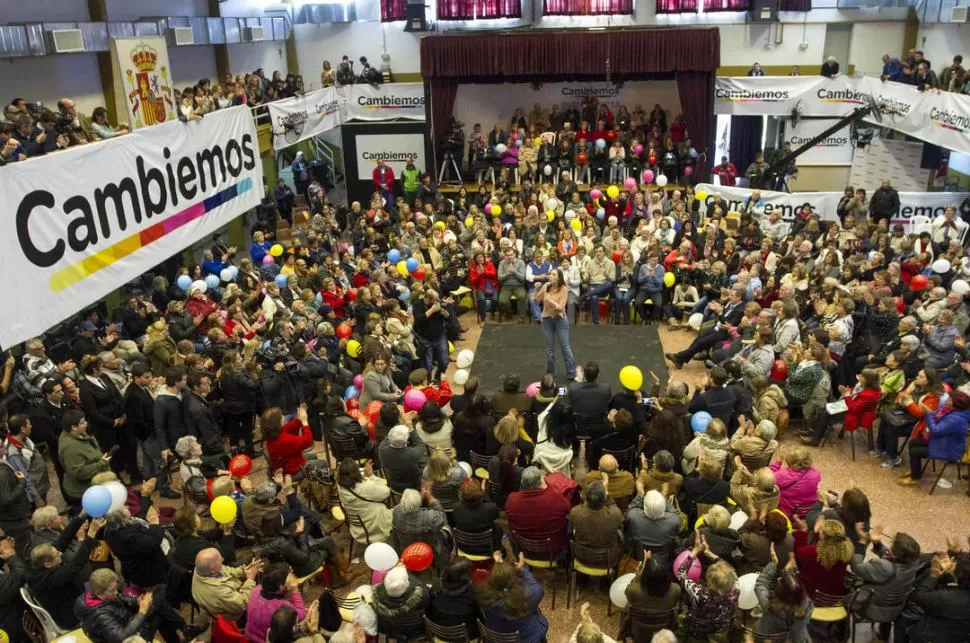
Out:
{"x": 594, "y": 194}
{"x": 353, "y": 348}
{"x": 631, "y": 378}
{"x": 700, "y": 194}
{"x": 612, "y": 191}
{"x": 532, "y": 389}
{"x": 669, "y": 279}
{"x": 600, "y": 144}
{"x": 617, "y": 255}
{"x": 276, "y": 250}
{"x": 901, "y": 304}
{"x": 393, "y": 255}
{"x": 918, "y": 282}
{"x": 223, "y": 510}
{"x": 941, "y": 266}
{"x": 240, "y": 465}
{"x": 184, "y": 282}
{"x": 638, "y": 149}
{"x": 417, "y": 557}
{"x": 747, "y": 599}
{"x": 550, "y": 216}
{"x": 268, "y": 260}
{"x": 351, "y": 392}
{"x": 359, "y": 381}
{"x": 576, "y": 225}
{"x": 652, "y": 159}
{"x": 648, "y": 176}
{"x": 414, "y": 399}
{"x": 469, "y": 222}
{"x": 699, "y": 421}
{"x": 496, "y": 209}
{"x": 344, "y": 330}
{"x": 467, "y": 468}
{"x": 96, "y": 501}
{"x": 547, "y": 170}
{"x": 738, "y": 518}
{"x": 353, "y": 405}
{"x": 352, "y": 294}
{"x": 695, "y": 321}
{"x": 779, "y": 370}
{"x": 552, "y": 204}
{"x": 960, "y": 287}
{"x": 501, "y": 148}
{"x": 461, "y": 376}
{"x": 439, "y": 225}
{"x": 380, "y": 556}
{"x": 688, "y": 171}
{"x": 601, "y": 214}
{"x": 518, "y": 143}
{"x": 353, "y": 413}
{"x": 516, "y": 137}
{"x": 611, "y": 136}
{"x": 661, "y": 180}
{"x": 694, "y": 572}
{"x": 582, "y": 159}
{"x": 537, "y": 140}
{"x": 373, "y": 409}
{"x": 211, "y": 281}
{"x": 119, "y": 494}
{"x": 692, "y": 153}
{"x": 630, "y": 184}
{"x": 225, "y": 275}
{"x": 419, "y": 273}
{"x": 451, "y": 348}
{"x": 570, "y": 215}
{"x": 281, "y": 280}
{"x": 618, "y": 590}
{"x": 405, "y": 296}
{"x": 465, "y": 358}
{"x": 402, "y": 268}
{"x": 199, "y": 285}
{"x": 412, "y": 264}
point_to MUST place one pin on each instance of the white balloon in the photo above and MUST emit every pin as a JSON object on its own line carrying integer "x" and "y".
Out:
{"x": 467, "y": 468}
{"x": 547, "y": 170}
{"x": 448, "y": 236}
{"x": 198, "y": 285}
{"x": 661, "y": 180}
{"x": 552, "y": 204}
{"x": 465, "y": 358}
{"x": 380, "y": 556}
{"x": 119, "y": 494}
{"x": 960, "y": 287}
{"x": 226, "y": 274}
{"x": 618, "y": 590}
{"x": 461, "y": 376}
{"x": 747, "y": 599}
{"x": 941, "y": 266}
{"x": 570, "y": 215}
{"x": 500, "y": 148}
{"x": 695, "y": 320}
{"x": 738, "y": 518}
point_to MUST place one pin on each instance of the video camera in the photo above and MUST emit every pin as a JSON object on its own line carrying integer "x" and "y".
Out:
{"x": 368, "y": 74}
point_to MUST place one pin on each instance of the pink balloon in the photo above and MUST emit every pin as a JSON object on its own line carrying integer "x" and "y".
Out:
{"x": 630, "y": 184}
{"x": 224, "y": 314}
{"x": 378, "y": 577}
{"x": 648, "y": 176}
{"x": 694, "y": 573}
{"x": 688, "y": 171}
{"x": 515, "y": 137}
{"x": 638, "y": 149}
{"x": 532, "y": 389}
{"x": 595, "y": 194}
{"x": 268, "y": 260}
{"x": 414, "y": 400}
{"x": 359, "y": 382}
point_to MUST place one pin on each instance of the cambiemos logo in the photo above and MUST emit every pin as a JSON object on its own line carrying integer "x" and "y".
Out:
{"x": 92, "y": 219}
{"x": 849, "y": 96}
{"x": 950, "y": 120}
{"x": 753, "y": 96}
{"x": 892, "y": 106}
{"x": 832, "y": 141}
{"x": 390, "y": 102}
{"x": 599, "y": 92}
{"x": 389, "y": 157}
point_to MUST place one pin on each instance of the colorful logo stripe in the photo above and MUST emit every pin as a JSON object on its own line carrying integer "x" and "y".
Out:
{"x": 89, "y": 265}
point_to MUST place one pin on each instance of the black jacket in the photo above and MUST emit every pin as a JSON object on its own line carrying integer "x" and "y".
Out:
{"x": 476, "y": 519}
{"x": 278, "y": 390}
{"x": 591, "y": 403}
{"x": 295, "y": 551}
{"x": 455, "y": 607}
{"x": 46, "y": 424}
{"x": 139, "y": 550}
{"x": 102, "y": 406}
{"x": 884, "y": 202}
{"x": 15, "y": 508}
{"x": 109, "y": 621}
{"x": 239, "y": 391}
{"x": 946, "y": 611}
{"x": 187, "y": 547}
{"x": 139, "y": 412}
{"x": 721, "y": 402}
{"x": 169, "y": 420}
{"x": 181, "y": 327}
{"x": 56, "y": 589}
{"x": 346, "y": 427}
{"x": 202, "y": 423}
{"x": 11, "y": 604}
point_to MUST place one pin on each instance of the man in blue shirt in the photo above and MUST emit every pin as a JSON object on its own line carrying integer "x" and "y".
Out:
{"x": 892, "y": 69}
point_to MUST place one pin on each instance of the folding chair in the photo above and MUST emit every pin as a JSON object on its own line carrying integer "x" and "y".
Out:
{"x": 445, "y": 633}
{"x": 592, "y": 562}
{"x": 491, "y": 636}
{"x": 538, "y": 554}
{"x": 466, "y": 542}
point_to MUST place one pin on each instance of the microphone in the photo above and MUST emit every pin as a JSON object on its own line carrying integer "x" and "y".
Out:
{"x": 113, "y": 451}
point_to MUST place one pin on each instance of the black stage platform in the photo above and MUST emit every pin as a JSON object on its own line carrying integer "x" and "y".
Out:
{"x": 517, "y": 349}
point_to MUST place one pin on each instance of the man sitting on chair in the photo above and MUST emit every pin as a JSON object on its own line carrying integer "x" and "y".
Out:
{"x": 223, "y": 591}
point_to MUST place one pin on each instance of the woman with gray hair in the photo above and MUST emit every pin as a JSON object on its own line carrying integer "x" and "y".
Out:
{"x": 651, "y": 523}
{"x": 137, "y": 544}
{"x": 420, "y": 513}
{"x": 195, "y": 470}
{"x": 754, "y": 441}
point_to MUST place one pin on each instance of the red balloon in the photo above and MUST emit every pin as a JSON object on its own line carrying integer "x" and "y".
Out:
{"x": 354, "y": 413}
{"x": 419, "y": 273}
{"x": 582, "y": 159}
{"x": 352, "y": 294}
{"x": 240, "y": 465}
{"x": 779, "y": 370}
{"x": 344, "y": 331}
{"x": 617, "y": 255}
{"x": 479, "y": 575}
{"x": 417, "y": 557}
{"x": 352, "y": 403}
{"x": 611, "y": 136}
{"x": 373, "y": 409}
{"x": 651, "y": 160}
{"x": 918, "y": 282}
{"x": 370, "y": 429}
{"x": 900, "y": 305}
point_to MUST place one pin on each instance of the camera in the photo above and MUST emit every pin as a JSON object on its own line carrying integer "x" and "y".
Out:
{"x": 368, "y": 74}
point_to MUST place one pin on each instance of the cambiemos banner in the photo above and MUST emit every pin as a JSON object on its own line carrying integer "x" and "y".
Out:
{"x": 835, "y": 149}
{"x": 362, "y": 102}
{"x": 393, "y": 149}
{"x": 87, "y": 220}
{"x": 911, "y": 204}
{"x": 301, "y": 117}
{"x": 764, "y": 95}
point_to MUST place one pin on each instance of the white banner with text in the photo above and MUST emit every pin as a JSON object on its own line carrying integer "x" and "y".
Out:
{"x": 394, "y": 149}
{"x": 301, "y": 117}
{"x": 835, "y": 149}
{"x": 362, "y": 102}
{"x": 115, "y": 210}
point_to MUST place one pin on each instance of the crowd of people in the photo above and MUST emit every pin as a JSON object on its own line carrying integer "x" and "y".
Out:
{"x": 916, "y": 70}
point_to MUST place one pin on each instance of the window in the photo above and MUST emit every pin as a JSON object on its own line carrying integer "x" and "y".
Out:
{"x": 476, "y": 9}
{"x": 711, "y": 6}
{"x": 392, "y": 10}
{"x": 587, "y": 7}
{"x": 677, "y": 6}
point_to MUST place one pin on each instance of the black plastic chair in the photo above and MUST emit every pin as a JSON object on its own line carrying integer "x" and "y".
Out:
{"x": 445, "y": 633}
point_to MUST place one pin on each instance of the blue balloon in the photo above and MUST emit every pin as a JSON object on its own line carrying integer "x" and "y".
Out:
{"x": 412, "y": 264}
{"x": 601, "y": 214}
{"x": 699, "y": 421}
{"x": 281, "y": 281}
{"x": 351, "y": 392}
{"x": 394, "y": 255}
{"x": 96, "y": 501}
{"x": 601, "y": 144}
{"x": 212, "y": 281}
{"x": 318, "y": 298}
{"x": 518, "y": 143}
{"x": 405, "y": 296}
{"x": 692, "y": 153}
{"x": 184, "y": 282}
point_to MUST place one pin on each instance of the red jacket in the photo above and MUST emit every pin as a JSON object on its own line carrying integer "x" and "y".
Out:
{"x": 388, "y": 178}
{"x": 862, "y": 408}
{"x": 538, "y": 514}
{"x": 815, "y": 577}
{"x": 440, "y": 394}
{"x": 335, "y": 300}
{"x": 286, "y": 451}
{"x": 478, "y": 278}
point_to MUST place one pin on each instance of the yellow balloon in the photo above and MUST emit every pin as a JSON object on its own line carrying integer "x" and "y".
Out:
{"x": 576, "y": 225}
{"x": 631, "y": 378}
{"x": 353, "y": 348}
{"x": 451, "y": 348}
{"x": 496, "y": 210}
{"x": 702, "y": 195}
{"x": 550, "y": 216}
{"x": 469, "y": 222}
{"x": 440, "y": 225}
{"x": 669, "y": 279}
{"x": 538, "y": 140}
{"x": 276, "y": 250}
{"x": 612, "y": 191}
{"x": 223, "y": 510}
{"x": 402, "y": 268}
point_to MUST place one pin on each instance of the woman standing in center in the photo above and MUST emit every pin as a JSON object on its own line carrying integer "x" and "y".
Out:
{"x": 553, "y": 296}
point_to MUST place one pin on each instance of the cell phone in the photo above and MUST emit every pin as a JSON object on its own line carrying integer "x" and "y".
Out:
{"x": 647, "y": 401}
{"x": 562, "y": 391}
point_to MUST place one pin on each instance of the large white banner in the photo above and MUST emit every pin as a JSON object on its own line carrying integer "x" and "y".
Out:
{"x": 911, "y": 204}
{"x": 362, "y": 102}
{"x": 764, "y": 95}
{"x": 146, "y": 79}
{"x": 835, "y": 149}
{"x": 943, "y": 118}
{"x": 302, "y": 117}
{"x": 393, "y": 149}
{"x": 83, "y": 222}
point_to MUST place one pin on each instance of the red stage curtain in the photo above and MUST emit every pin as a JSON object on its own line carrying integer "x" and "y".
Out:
{"x": 794, "y": 5}
{"x": 474, "y": 9}
{"x": 587, "y": 7}
{"x": 697, "y": 104}
{"x": 456, "y": 9}
{"x": 442, "y": 93}
{"x": 676, "y": 6}
{"x": 499, "y": 8}
{"x": 727, "y": 5}
{"x": 392, "y": 10}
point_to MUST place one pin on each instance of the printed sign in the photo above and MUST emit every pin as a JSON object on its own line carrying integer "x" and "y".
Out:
{"x": 146, "y": 79}
{"x": 301, "y": 117}
{"x": 835, "y": 149}
{"x": 393, "y": 149}
{"x": 362, "y": 102}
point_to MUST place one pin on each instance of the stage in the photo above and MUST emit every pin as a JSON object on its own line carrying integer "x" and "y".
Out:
{"x": 519, "y": 349}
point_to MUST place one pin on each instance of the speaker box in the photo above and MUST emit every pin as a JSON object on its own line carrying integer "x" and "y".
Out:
{"x": 416, "y": 19}
{"x": 764, "y": 11}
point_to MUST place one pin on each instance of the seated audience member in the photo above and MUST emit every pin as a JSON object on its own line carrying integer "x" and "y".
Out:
{"x": 399, "y": 595}
{"x": 756, "y": 489}
{"x": 511, "y": 397}
{"x": 538, "y": 512}
{"x": 661, "y": 476}
{"x": 754, "y": 441}
{"x": 419, "y": 513}
{"x": 785, "y": 605}
{"x": 590, "y": 399}
{"x": 442, "y": 473}
{"x": 761, "y": 533}
{"x": 712, "y": 445}
{"x": 475, "y": 514}
{"x": 557, "y": 427}
{"x": 597, "y": 523}
{"x": 890, "y": 571}
{"x": 48, "y": 526}
{"x": 285, "y": 443}
{"x": 822, "y": 564}
{"x": 278, "y": 587}
{"x": 652, "y": 524}
{"x": 433, "y": 427}
{"x": 653, "y": 588}
{"x": 944, "y": 596}
{"x": 403, "y": 457}
{"x": 364, "y": 495}
{"x": 137, "y": 544}
{"x": 289, "y": 543}
{"x": 717, "y": 534}
{"x": 504, "y": 473}
{"x": 57, "y": 581}
{"x": 454, "y": 599}
{"x": 620, "y": 434}
{"x": 710, "y": 605}
{"x": 620, "y": 483}
{"x": 797, "y": 481}
{"x": 189, "y": 540}
{"x": 709, "y": 488}
{"x": 510, "y": 601}
{"x": 220, "y": 590}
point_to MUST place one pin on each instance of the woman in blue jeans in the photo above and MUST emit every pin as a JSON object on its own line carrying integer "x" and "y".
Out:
{"x": 553, "y": 297}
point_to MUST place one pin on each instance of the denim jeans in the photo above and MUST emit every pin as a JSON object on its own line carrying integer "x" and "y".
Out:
{"x": 437, "y": 352}
{"x": 558, "y": 329}
{"x": 593, "y": 294}
{"x": 621, "y": 304}
{"x": 535, "y": 308}
{"x": 482, "y": 299}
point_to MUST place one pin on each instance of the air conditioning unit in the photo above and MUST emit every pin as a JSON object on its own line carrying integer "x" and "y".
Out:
{"x": 960, "y": 14}
{"x": 66, "y": 41}
{"x": 180, "y": 36}
{"x": 253, "y": 34}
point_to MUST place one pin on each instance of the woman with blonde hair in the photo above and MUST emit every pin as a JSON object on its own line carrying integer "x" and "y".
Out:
{"x": 713, "y": 603}
{"x": 441, "y": 469}
{"x": 159, "y": 346}
{"x": 822, "y": 564}
{"x": 797, "y": 481}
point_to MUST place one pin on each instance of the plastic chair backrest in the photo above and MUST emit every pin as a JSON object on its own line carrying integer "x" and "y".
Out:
{"x": 51, "y": 630}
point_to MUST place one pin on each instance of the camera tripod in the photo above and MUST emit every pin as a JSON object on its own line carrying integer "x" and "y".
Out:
{"x": 448, "y": 162}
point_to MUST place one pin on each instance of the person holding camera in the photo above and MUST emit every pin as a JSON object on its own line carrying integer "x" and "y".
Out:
{"x": 430, "y": 316}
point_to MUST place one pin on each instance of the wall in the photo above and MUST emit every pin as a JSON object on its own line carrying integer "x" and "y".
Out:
{"x": 316, "y": 43}
{"x": 189, "y": 64}
{"x": 134, "y": 9}
{"x": 870, "y": 40}
{"x": 747, "y": 43}
{"x": 941, "y": 42}
{"x": 249, "y": 56}
{"x": 50, "y": 78}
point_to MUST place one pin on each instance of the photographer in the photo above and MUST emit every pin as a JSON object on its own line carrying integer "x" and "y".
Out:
{"x": 345, "y": 72}
{"x": 368, "y": 74}
{"x": 430, "y": 316}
